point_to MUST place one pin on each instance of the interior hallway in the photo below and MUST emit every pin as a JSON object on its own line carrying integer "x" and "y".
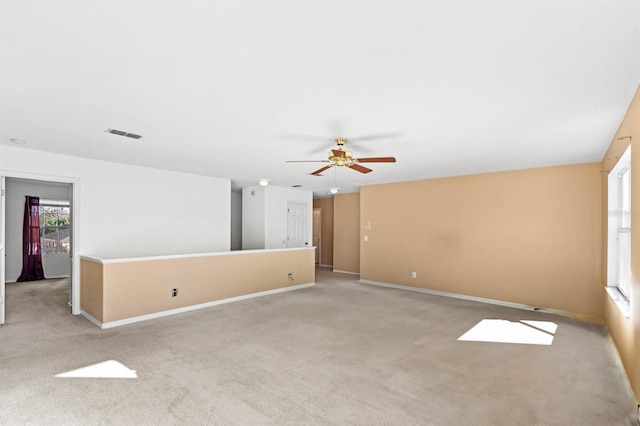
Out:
{"x": 337, "y": 353}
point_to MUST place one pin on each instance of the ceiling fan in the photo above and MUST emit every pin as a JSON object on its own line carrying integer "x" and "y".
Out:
{"x": 344, "y": 158}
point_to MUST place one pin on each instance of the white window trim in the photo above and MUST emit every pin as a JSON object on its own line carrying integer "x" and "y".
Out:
{"x": 620, "y": 300}
{"x": 614, "y": 216}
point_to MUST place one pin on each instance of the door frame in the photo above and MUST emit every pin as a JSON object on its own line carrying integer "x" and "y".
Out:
{"x": 3, "y": 214}
{"x": 75, "y": 227}
{"x": 319, "y": 247}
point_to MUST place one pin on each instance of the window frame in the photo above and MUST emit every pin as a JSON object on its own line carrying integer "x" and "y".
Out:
{"x": 624, "y": 231}
{"x": 619, "y": 232}
{"x": 56, "y": 204}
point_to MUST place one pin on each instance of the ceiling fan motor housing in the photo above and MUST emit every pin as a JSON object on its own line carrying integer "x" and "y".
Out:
{"x": 341, "y": 157}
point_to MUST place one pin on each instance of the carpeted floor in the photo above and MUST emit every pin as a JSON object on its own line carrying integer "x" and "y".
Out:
{"x": 337, "y": 353}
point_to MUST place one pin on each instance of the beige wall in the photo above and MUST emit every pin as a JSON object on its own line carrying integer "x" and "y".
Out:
{"x": 326, "y": 245}
{"x": 531, "y": 237}
{"x": 130, "y": 289}
{"x": 346, "y": 233}
{"x": 626, "y": 331}
{"x": 91, "y": 288}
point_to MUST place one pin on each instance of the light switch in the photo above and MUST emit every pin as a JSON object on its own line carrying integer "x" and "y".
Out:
{"x": 366, "y": 238}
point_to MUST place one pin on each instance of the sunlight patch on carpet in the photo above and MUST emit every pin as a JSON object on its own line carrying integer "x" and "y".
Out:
{"x": 110, "y": 369}
{"x": 523, "y": 332}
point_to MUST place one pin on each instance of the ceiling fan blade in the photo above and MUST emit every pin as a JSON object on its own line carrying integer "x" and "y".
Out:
{"x": 359, "y": 168}
{"x": 377, "y": 160}
{"x": 375, "y": 137}
{"x": 317, "y": 172}
{"x": 307, "y": 161}
{"x": 338, "y": 153}
{"x": 297, "y": 137}
{"x": 316, "y": 143}
{"x": 336, "y": 126}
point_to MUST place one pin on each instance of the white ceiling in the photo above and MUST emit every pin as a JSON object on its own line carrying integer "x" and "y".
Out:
{"x": 233, "y": 89}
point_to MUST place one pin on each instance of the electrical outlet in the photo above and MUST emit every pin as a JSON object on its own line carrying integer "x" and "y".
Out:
{"x": 414, "y": 275}
{"x": 290, "y": 276}
{"x": 174, "y": 292}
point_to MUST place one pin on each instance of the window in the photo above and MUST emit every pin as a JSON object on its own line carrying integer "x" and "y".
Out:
{"x": 624, "y": 231}
{"x": 55, "y": 226}
{"x": 619, "y": 231}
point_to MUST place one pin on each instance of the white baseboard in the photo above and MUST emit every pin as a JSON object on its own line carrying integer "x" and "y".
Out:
{"x": 132, "y": 320}
{"x": 91, "y": 318}
{"x": 322, "y": 265}
{"x": 559, "y": 312}
{"x": 346, "y": 272}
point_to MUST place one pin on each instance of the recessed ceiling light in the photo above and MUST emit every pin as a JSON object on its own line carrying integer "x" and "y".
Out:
{"x": 18, "y": 141}
{"x": 333, "y": 190}
{"x": 264, "y": 182}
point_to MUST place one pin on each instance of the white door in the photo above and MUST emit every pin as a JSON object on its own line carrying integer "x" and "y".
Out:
{"x": 317, "y": 215}
{"x": 2, "y": 213}
{"x": 297, "y": 225}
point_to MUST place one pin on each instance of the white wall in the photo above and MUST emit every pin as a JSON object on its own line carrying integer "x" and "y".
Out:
{"x": 54, "y": 265}
{"x": 253, "y": 218}
{"x": 264, "y": 215}
{"x": 236, "y": 220}
{"x": 129, "y": 211}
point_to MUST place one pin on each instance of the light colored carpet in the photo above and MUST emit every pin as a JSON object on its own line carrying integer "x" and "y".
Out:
{"x": 337, "y": 353}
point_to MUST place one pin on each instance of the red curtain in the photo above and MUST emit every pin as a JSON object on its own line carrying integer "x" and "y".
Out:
{"x": 31, "y": 250}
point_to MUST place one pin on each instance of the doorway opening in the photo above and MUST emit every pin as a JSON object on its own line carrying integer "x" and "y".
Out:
{"x": 57, "y": 225}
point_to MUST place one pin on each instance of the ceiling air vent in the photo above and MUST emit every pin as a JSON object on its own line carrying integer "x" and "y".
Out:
{"x": 121, "y": 133}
